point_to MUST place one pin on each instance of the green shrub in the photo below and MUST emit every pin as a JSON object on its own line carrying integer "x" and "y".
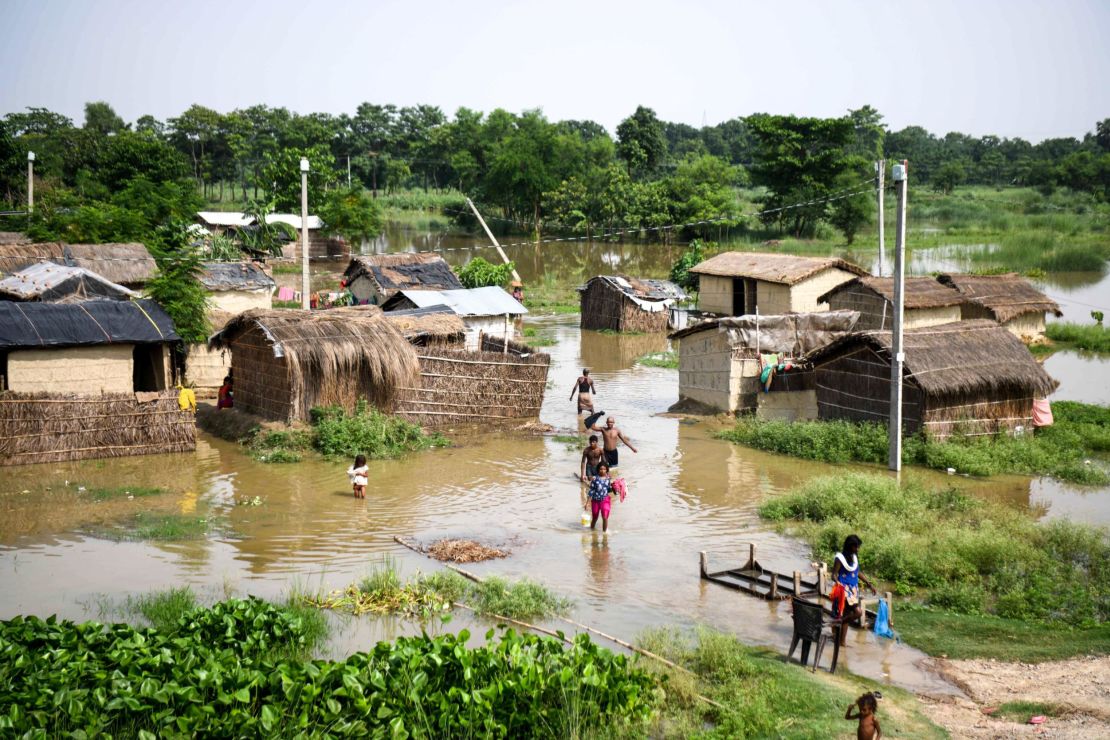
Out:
{"x": 478, "y": 273}
{"x": 1091, "y": 337}
{"x": 368, "y": 432}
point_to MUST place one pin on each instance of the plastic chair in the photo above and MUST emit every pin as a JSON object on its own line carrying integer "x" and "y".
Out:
{"x": 809, "y": 624}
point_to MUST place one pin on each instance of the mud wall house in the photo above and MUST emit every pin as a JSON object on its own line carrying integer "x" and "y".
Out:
{"x": 740, "y": 283}
{"x": 48, "y": 282}
{"x": 925, "y": 301}
{"x": 1008, "y": 299}
{"x": 488, "y": 310}
{"x": 969, "y": 377}
{"x": 374, "y": 279}
{"x": 720, "y": 362}
{"x": 88, "y": 379}
{"x": 233, "y": 287}
{"x": 627, "y": 304}
{"x": 129, "y": 265}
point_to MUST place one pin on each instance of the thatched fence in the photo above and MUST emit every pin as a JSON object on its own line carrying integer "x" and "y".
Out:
{"x": 493, "y": 386}
{"x": 38, "y": 428}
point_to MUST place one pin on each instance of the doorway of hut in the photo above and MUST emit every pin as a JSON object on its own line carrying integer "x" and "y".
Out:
{"x": 149, "y": 373}
{"x": 743, "y": 296}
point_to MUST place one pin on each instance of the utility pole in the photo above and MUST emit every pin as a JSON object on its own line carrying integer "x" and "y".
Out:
{"x": 304, "y": 235}
{"x": 30, "y": 183}
{"x": 500, "y": 251}
{"x": 881, "y": 167}
{"x": 348, "y": 171}
{"x": 900, "y": 174}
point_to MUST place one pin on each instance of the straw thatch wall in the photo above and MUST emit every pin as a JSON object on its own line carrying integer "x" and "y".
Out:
{"x": 287, "y": 362}
{"x": 970, "y": 377}
{"x": 490, "y": 387}
{"x": 927, "y": 302}
{"x": 605, "y": 306}
{"x": 38, "y": 428}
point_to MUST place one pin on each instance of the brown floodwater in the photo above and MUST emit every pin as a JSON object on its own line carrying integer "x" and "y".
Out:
{"x": 689, "y": 492}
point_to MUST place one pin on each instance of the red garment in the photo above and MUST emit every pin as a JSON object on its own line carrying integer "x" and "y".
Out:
{"x": 838, "y": 596}
{"x": 1042, "y": 413}
{"x": 224, "y": 399}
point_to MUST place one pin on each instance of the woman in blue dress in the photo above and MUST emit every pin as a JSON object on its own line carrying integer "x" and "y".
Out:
{"x": 846, "y": 574}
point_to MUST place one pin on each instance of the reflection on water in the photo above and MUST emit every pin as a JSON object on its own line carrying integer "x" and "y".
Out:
{"x": 688, "y": 493}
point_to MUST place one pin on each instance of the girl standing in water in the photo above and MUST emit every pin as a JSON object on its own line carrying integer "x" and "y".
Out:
{"x": 846, "y": 573}
{"x": 357, "y": 473}
{"x": 600, "y": 493}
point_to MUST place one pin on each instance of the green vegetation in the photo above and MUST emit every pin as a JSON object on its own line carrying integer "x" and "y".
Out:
{"x": 163, "y": 609}
{"x": 337, "y": 433}
{"x": 572, "y": 439}
{"x": 239, "y": 669}
{"x": 1061, "y": 451}
{"x": 958, "y": 553}
{"x": 1089, "y": 337}
{"x": 351, "y": 214}
{"x": 177, "y": 287}
{"x": 105, "y": 494}
{"x": 1021, "y": 711}
{"x": 522, "y": 599}
{"x": 533, "y": 338}
{"x": 691, "y": 256}
{"x": 660, "y": 359}
{"x": 156, "y": 527}
{"x": 551, "y": 296}
{"x": 478, "y": 273}
{"x": 762, "y": 695}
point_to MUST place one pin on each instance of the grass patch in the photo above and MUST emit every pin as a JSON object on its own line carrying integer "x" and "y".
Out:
{"x": 660, "y": 359}
{"x": 107, "y": 494}
{"x": 339, "y": 434}
{"x": 1021, "y": 711}
{"x": 615, "y": 333}
{"x": 957, "y": 553}
{"x": 570, "y": 439}
{"x": 287, "y": 304}
{"x": 156, "y": 527}
{"x": 971, "y": 636}
{"x": 1060, "y": 451}
{"x": 763, "y": 696}
{"x": 522, "y": 599}
{"x": 1089, "y": 337}
{"x": 551, "y": 296}
{"x": 533, "y": 338}
{"x": 162, "y": 609}
{"x": 284, "y": 268}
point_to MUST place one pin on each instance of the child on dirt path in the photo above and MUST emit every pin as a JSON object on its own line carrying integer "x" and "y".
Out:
{"x": 868, "y": 720}
{"x": 357, "y": 473}
{"x": 600, "y": 493}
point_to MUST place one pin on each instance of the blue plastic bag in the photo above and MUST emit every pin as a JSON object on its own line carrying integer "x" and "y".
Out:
{"x": 882, "y": 620}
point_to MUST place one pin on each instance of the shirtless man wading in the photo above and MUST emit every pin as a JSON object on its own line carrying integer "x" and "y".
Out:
{"x": 611, "y": 435}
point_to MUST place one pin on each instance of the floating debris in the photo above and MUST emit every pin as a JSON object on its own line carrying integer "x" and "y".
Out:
{"x": 463, "y": 551}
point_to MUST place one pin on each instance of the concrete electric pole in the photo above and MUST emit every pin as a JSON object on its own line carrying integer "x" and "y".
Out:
{"x": 900, "y": 173}
{"x": 304, "y": 235}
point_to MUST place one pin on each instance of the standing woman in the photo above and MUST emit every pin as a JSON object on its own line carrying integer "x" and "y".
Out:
{"x": 846, "y": 573}
{"x": 584, "y": 387}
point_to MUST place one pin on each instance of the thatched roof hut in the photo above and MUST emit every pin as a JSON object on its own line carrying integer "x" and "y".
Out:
{"x": 53, "y": 283}
{"x": 287, "y": 362}
{"x": 1009, "y": 299}
{"x": 14, "y": 237}
{"x": 972, "y": 377}
{"x": 127, "y": 264}
{"x": 737, "y": 283}
{"x": 622, "y": 303}
{"x": 434, "y": 325}
{"x": 926, "y": 301}
{"x": 375, "y": 278}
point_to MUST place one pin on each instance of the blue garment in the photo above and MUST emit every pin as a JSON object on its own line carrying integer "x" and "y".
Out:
{"x": 882, "y": 620}
{"x": 845, "y": 576}
{"x": 600, "y": 489}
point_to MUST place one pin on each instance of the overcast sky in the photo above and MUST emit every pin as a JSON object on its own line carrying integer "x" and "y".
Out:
{"x": 1027, "y": 68}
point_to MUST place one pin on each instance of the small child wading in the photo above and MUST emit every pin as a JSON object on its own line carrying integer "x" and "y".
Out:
{"x": 357, "y": 474}
{"x": 600, "y": 495}
{"x": 867, "y": 715}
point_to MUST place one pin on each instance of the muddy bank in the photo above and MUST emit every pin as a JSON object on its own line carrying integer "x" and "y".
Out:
{"x": 1080, "y": 687}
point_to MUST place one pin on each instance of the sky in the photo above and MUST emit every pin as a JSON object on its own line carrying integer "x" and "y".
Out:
{"x": 1012, "y": 68}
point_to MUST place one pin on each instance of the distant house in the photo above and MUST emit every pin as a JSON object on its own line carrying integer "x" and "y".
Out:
{"x": 627, "y": 304}
{"x": 489, "y": 310}
{"x": 739, "y": 283}
{"x": 319, "y": 243}
{"x": 1008, "y": 299}
{"x": 969, "y": 377}
{"x": 87, "y": 379}
{"x": 48, "y": 282}
{"x": 925, "y": 302}
{"x": 129, "y": 265}
{"x": 721, "y": 361}
{"x": 233, "y": 287}
{"x": 375, "y": 278}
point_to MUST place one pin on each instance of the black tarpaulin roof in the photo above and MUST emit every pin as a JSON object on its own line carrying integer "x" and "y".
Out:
{"x": 28, "y": 325}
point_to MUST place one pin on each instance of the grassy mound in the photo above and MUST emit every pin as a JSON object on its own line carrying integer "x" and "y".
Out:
{"x": 1089, "y": 337}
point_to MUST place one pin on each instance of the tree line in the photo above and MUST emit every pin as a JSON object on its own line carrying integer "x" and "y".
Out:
{"x": 126, "y": 178}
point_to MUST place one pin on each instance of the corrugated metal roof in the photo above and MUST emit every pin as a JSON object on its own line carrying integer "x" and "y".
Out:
{"x": 487, "y": 301}
{"x": 238, "y": 219}
{"x": 48, "y": 281}
{"x": 314, "y": 222}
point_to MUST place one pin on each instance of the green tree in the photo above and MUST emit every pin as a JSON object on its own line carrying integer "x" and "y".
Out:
{"x": 264, "y": 236}
{"x": 851, "y": 213}
{"x": 869, "y": 132}
{"x": 351, "y": 214}
{"x": 642, "y": 142}
{"x": 100, "y": 118}
{"x": 177, "y": 287}
{"x": 478, "y": 273}
{"x": 680, "y": 270}
{"x": 282, "y": 174}
{"x": 948, "y": 177}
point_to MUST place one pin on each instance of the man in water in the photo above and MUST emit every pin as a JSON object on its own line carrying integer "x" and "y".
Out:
{"x": 612, "y": 435}
{"x": 591, "y": 456}
{"x": 584, "y": 387}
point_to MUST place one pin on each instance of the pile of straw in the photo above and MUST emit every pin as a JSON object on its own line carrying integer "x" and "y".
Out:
{"x": 37, "y": 428}
{"x": 463, "y": 551}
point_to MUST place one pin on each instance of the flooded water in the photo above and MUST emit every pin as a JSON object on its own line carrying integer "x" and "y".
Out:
{"x": 689, "y": 493}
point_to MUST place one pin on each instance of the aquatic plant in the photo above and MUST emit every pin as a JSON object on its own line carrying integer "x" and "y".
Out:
{"x": 659, "y": 359}
{"x": 162, "y": 609}
{"x": 1089, "y": 337}
{"x": 369, "y": 432}
{"x": 228, "y": 671}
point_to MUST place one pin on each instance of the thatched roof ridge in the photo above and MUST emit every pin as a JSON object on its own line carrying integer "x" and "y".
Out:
{"x": 15, "y": 257}
{"x": 1005, "y": 296}
{"x": 127, "y": 264}
{"x": 920, "y": 292}
{"x": 436, "y": 322}
{"x": 340, "y": 345}
{"x": 960, "y": 358}
{"x": 403, "y": 271}
{"x": 771, "y": 267}
{"x": 14, "y": 237}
